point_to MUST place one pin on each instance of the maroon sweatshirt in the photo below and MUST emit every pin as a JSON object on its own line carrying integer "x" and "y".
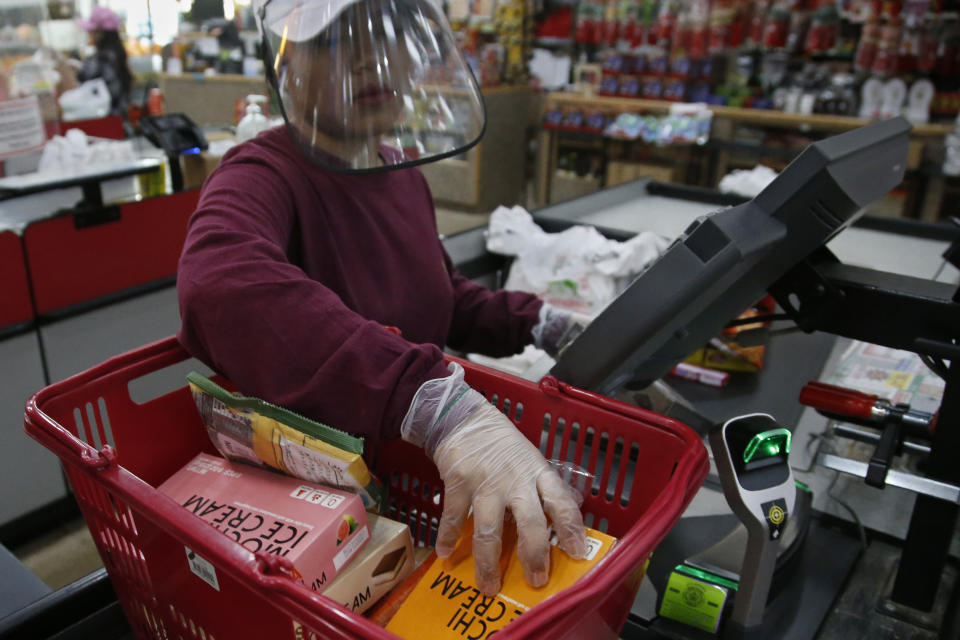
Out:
{"x": 290, "y": 272}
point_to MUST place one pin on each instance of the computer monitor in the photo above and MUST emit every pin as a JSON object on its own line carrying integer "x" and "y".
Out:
{"x": 725, "y": 261}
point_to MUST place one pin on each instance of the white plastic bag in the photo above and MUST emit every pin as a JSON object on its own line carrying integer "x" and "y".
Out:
{"x": 90, "y": 100}
{"x": 75, "y": 151}
{"x": 747, "y": 182}
{"x": 577, "y": 269}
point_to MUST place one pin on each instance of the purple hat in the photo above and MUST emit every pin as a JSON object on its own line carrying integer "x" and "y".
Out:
{"x": 101, "y": 19}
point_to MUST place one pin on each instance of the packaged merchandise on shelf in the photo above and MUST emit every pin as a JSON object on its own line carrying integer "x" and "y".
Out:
{"x": 447, "y": 604}
{"x": 801, "y": 53}
{"x": 385, "y": 562}
{"x": 629, "y": 87}
{"x": 316, "y": 528}
{"x": 572, "y": 120}
{"x": 675, "y": 128}
{"x": 253, "y": 431}
{"x": 595, "y": 122}
{"x": 724, "y": 353}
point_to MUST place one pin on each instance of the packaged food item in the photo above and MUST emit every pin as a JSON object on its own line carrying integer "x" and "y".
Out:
{"x": 447, "y": 604}
{"x": 572, "y": 120}
{"x": 776, "y": 28}
{"x": 318, "y": 529}
{"x": 256, "y": 432}
{"x": 384, "y": 610}
{"x": 726, "y": 354}
{"x": 385, "y": 561}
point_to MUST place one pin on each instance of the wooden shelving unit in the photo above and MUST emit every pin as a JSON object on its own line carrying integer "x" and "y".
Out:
{"x": 724, "y": 144}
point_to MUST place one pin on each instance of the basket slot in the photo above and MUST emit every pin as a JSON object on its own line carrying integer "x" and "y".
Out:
{"x": 92, "y": 427}
{"x": 519, "y": 413}
{"x": 420, "y": 524}
{"x": 545, "y": 435}
{"x": 126, "y": 558}
{"x": 105, "y": 503}
{"x": 588, "y": 519}
{"x": 105, "y": 421}
{"x": 630, "y": 474}
{"x": 591, "y": 448}
{"x": 603, "y": 525}
{"x": 155, "y": 622}
{"x": 189, "y": 625}
{"x": 555, "y": 439}
{"x": 617, "y": 471}
{"x": 609, "y": 466}
{"x": 599, "y": 466}
{"x": 94, "y": 432}
{"x": 90, "y": 494}
{"x": 567, "y": 436}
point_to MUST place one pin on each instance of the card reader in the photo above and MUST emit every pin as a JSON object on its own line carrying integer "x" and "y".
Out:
{"x": 752, "y": 457}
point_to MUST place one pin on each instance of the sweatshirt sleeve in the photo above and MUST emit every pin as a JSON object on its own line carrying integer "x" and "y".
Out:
{"x": 255, "y": 317}
{"x": 494, "y": 323}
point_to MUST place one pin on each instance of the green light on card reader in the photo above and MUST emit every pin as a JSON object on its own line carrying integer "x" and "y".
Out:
{"x": 767, "y": 444}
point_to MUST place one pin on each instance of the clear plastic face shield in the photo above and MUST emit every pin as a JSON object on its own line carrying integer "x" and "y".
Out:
{"x": 366, "y": 85}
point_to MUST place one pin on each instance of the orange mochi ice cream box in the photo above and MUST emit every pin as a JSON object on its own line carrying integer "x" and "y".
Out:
{"x": 317, "y": 528}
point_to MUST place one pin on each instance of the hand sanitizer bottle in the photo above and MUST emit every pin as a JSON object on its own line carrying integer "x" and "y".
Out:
{"x": 254, "y": 121}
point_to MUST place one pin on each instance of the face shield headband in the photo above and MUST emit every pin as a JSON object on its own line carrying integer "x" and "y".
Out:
{"x": 369, "y": 85}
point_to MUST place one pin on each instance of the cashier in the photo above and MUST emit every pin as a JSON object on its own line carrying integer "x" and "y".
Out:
{"x": 314, "y": 237}
{"x": 110, "y": 60}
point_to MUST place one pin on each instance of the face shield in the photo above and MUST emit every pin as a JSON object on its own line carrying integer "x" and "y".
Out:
{"x": 366, "y": 85}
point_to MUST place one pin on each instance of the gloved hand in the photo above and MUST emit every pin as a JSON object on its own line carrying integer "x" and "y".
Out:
{"x": 557, "y": 328}
{"x": 486, "y": 462}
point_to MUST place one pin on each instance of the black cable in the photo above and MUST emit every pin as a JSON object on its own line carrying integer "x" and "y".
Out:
{"x": 861, "y": 530}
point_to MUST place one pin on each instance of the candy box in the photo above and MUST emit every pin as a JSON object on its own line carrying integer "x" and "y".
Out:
{"x": 383, "y": 563}
{"x": 316, "y": 528}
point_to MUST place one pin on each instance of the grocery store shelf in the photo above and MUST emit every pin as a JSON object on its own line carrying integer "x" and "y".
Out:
{"x": 759, "y": 117}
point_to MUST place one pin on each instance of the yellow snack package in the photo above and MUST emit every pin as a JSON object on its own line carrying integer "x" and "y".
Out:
{"x": 251, "y": 430}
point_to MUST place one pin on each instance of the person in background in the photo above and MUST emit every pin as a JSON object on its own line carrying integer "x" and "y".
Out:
{"x": 312, "y": 238}
{"x": 110, "y": 60}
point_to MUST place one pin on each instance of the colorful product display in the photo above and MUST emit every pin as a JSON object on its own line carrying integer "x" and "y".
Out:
{"x": 691, "y": 50}
{"x": 672, "y": 129}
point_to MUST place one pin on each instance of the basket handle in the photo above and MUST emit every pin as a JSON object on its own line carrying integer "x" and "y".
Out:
{"x": 52, "y": 435}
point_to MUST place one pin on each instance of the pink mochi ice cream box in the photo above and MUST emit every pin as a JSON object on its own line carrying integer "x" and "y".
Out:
{"x": 317, "y": 528}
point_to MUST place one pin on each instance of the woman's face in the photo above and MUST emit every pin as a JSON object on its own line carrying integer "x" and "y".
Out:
{"x": 352, "y": 77}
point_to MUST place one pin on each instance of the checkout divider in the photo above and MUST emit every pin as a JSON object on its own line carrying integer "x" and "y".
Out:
{"x": 74, "y": 294}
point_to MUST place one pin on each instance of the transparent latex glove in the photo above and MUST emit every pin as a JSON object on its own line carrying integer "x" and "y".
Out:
{"x": 557, "y": 328}
{"x": 486, "y": 463}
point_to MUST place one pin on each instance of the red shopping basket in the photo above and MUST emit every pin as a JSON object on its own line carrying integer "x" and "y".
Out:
{"x": 116, "y": 451}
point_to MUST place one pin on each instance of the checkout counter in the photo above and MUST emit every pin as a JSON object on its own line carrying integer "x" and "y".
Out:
{"x": 793, "y": 359}
{"x": 87, "y": 267}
